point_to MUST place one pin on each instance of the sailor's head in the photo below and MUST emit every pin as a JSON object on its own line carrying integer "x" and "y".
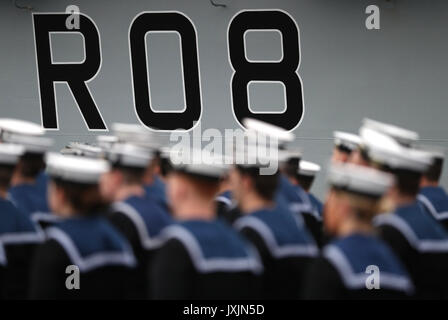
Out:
{"x": 193, "y": 183}
{"x": 248, "y": 184}
{"x": 74, "y": 184}
{"x": 9, "y": 157}
{"x": 31, "y": 137}
{"x": 138, "y": 135}
{"x": 255, "y": 174}
{"x": 344, "y": 145}
{"x": 254, "y": 180}
{"x": 291, "y": 164}
{"x": 407, "y": 164}
{"x": 128, "y": 163}
{"x": 354, "y": 197}
{"x": 306, "y": 174}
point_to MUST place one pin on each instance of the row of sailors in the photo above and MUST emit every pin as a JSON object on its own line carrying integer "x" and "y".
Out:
{"x": 273, "y": 239}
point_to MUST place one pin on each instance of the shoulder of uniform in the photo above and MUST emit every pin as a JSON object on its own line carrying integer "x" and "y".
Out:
{"x": 123, "y": 254}
{"x": 249, "y": 261}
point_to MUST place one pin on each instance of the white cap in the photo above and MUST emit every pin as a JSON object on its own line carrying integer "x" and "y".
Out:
{"x": 307, "y": 168}
{"x": 136, "y": 134}
{"x": 75, "y": 169}
{"x": 128, "y": 155}
{"x": 20, "y": 127}
{"x": 10, "y": 153}
{"x": 200, "y": 163}
{"x": 31, "y": 143}
{"x": 106, "y": 142}
{"x": 82, "y": 150}
{"x": 403, "y": 136}
{"x": 359, "y": 179}
{"x": 385, "y": 150}
{"x": 346, "y": 140}
{"x": 25, "y": 133}
{"x": 268, "y": 130}
{"x": 372, "y": 139}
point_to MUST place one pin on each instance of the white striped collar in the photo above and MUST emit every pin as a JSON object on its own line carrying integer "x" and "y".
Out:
{"x": 93, "y": 261}
{"x": 354, "y": 280}
{"x": 422, "y": 245}
{"x": 277, "y": 251}
{"x": 207, "y": 265}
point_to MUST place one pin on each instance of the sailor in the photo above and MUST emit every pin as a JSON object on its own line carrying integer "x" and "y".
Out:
{"x": 345, "y": 144}
{"x": 359, "y": 156}
{"x": 153, "y": 176}
{"x": 356, "y": 264}
{"x": 84, "y": 256}
{"x": 299, "y": 202}
{"x": 29, "y": 183}
{"x": 280, "y": 236}
{"x": 138, "y": 217}
{"x": 18, "y": 235}
{"x": 370, "y": 138}
{"x": 419, "y": 241}
{"x": 202, "y": 257}
{"x": 402, "y": 136}
{"x": 156, "y": 175}
{"x": 289, "y": 194}
{"x": 79, "y": 149}
{"x": 304, "y": 177}
{"x": 432, "y": 195}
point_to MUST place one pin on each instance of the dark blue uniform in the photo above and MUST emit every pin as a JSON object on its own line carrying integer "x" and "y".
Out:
{"x": 292, "y": 196}
{"x": 435, "y": 201}
{"x": 421, "y": 243}
{"x": 156, "y": 192}
{"x": 140, "y": 220}
{"x": 18, "y": 239}
{"x": 146, "y": 216}
{"x": 42, "y": 184}
{"x": 285, "y": 247}
{"x": 299, "y": 202}
{"x": 14, "y": 222}
{"x": 205, "y": 260}
{"x": 103, "y": 256}
{"x": 32, "y": 200}
{"x": 29, "y": 198}
{"x": 318, "y": 207}
{"x": 346, "y": 268}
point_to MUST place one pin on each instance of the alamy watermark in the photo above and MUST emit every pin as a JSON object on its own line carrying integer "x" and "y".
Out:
{"x": 73, "y": 281}
{"x": 373, "y": 280}
{"x": 231, "y": 147}
{"x": 373, "y": 20}
{"x": 72, "y": 22}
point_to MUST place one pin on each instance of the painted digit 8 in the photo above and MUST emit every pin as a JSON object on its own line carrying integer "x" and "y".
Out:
{"x": 282, "y": 71}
